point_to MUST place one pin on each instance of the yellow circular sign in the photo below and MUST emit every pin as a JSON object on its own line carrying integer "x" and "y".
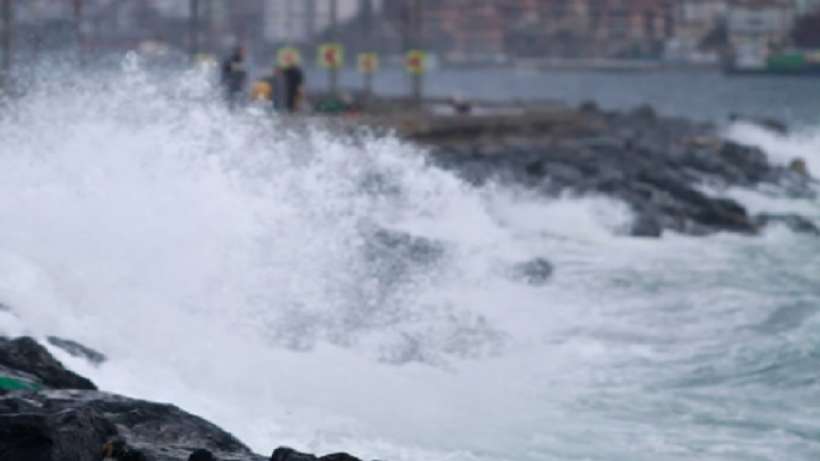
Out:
{"x": 331, "y": 56}
{"x": 288, "y": 57}
{"x": 368, "y": 63}
{"x": 416, "y": 62}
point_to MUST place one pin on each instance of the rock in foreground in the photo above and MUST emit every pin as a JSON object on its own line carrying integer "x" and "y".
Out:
{"x": 74, "y": 425}
{"x": 26, "y": 358}
{"x": 48, "y": 413}
{"x": 535, "y": 272}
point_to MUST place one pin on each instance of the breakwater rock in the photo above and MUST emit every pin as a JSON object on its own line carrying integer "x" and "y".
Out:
{"x": 48, "y": 413}
{"x": 662, "y": 167}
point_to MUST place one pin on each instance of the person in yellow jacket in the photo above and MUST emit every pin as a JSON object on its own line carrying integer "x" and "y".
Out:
{"x": 262, "y": 91}
{"x": 272, "y": 89}
{"x": 265, "y": 91}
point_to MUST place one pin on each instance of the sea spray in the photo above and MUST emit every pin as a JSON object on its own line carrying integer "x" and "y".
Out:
{"x": 225, "y": 262}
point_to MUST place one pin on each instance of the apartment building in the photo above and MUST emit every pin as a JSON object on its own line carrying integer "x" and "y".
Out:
{"x": 698, "y": 25}
{"x": 758, "y": 28}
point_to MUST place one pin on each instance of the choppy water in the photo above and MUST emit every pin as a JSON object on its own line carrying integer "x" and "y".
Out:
{"x": 699, "y": 94}
{"x": 221, "y": 262}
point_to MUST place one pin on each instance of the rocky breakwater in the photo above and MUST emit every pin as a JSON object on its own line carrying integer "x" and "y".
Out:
{"x": 48, "y": 413}
{"x": 666, "y": 169}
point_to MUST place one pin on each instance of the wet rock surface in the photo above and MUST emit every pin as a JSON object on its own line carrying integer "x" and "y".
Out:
{"x": 289, "y": 454}
{"x": 76, "y": 425}
{"x": 66, "y": 419}
{"x": 660, "y": 166}
{"x": 794, "y": 222}
{"x": 535, "y": 272}
{"x": 27, "y": 356}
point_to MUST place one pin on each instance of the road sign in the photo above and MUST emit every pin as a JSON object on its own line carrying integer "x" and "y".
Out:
{"x": 331, "y": 56}
{"x": 416, "y": 62}
{"x": 368, "y": 63}
{"x": 288, "y": 57}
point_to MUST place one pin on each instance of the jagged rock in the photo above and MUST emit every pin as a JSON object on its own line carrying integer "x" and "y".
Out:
{"x": 26, "y": 355}
{"x": 535, "y": 272}
{"x": 88, "y": 425}
{"x": 794, "y": 222}
{"x": 339, "y": 457}
{"x": 76, "y": 425}
{"x": 83, "y": 424}
{"x": 118, "y": 449}
{"x": 799, "y": 166}
{"x": 77, "y": 350}
{"x": 202, "y": 455}
{"x": 751, "y": 162}
{"x": 395, "y": 256}
{"x": 75, "y": 434}
{"x": 725, "y": 214}
{"x": 405, "y": 246}
{"x": 646, "y": 225}
{"x": 289, "y": 454}
{"x": 657, "y": 165}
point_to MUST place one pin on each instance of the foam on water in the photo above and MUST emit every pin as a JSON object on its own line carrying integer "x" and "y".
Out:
{"x": 781, "y": 148}
{"x": 223, "y": 262}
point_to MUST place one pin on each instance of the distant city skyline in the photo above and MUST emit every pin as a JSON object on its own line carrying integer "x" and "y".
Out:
{"x": 696, "y": 31}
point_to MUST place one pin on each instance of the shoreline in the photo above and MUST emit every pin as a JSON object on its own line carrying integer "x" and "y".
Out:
{"x": 658, "y": 165}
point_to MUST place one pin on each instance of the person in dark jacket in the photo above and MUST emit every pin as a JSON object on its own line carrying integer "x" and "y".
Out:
{"x": 234, "y": 76}
{"x": 294, "y": 82}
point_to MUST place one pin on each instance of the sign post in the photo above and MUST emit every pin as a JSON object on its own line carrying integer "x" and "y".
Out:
{"x": 7, "y": 37}
{"x": 78, "y": 24}
{"x": 193, "y": 27}
{"x": 416, "y": 64}
{"x": 368, "y": 65}
{"x": 331, "y": 57}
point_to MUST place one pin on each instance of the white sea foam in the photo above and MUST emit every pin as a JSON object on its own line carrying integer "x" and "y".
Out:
{"x": 222, "y": 262}
{"x": 781, "y": 148}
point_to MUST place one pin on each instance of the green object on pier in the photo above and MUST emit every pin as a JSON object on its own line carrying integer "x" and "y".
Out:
{"x": 787, "y": 62}
{"x": 14, "y": 384}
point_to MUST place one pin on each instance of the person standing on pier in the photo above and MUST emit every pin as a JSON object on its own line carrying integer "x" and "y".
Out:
{"x": 294, "y": 82}
{"x": 233, "y": 76}
{"x": 267, "y": 91}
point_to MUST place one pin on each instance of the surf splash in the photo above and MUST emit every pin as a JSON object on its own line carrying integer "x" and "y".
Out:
{"x": 301, "y": 287}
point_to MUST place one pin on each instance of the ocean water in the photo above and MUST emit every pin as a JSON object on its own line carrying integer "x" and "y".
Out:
{"x": 699, "y": 94}
{"x": 223, "y": 262}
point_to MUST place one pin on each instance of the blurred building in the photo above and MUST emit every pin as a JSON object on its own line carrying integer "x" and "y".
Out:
{"x": 463, "y": 28}
{"x": 758, "y": 28}
{"x": 699, "y": 31}
{"x": 549, "y": 28}
{"x": 298, "y": 21}
{"x": 118, "y": 25}
{"x": 467, "y": 30}
{"x": 803, "y": 7}
{"x": 633, "y": 28}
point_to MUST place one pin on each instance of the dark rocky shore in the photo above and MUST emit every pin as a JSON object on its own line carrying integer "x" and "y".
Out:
{"x": 660, "y": 166}
{"x": 48, "y": 413}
